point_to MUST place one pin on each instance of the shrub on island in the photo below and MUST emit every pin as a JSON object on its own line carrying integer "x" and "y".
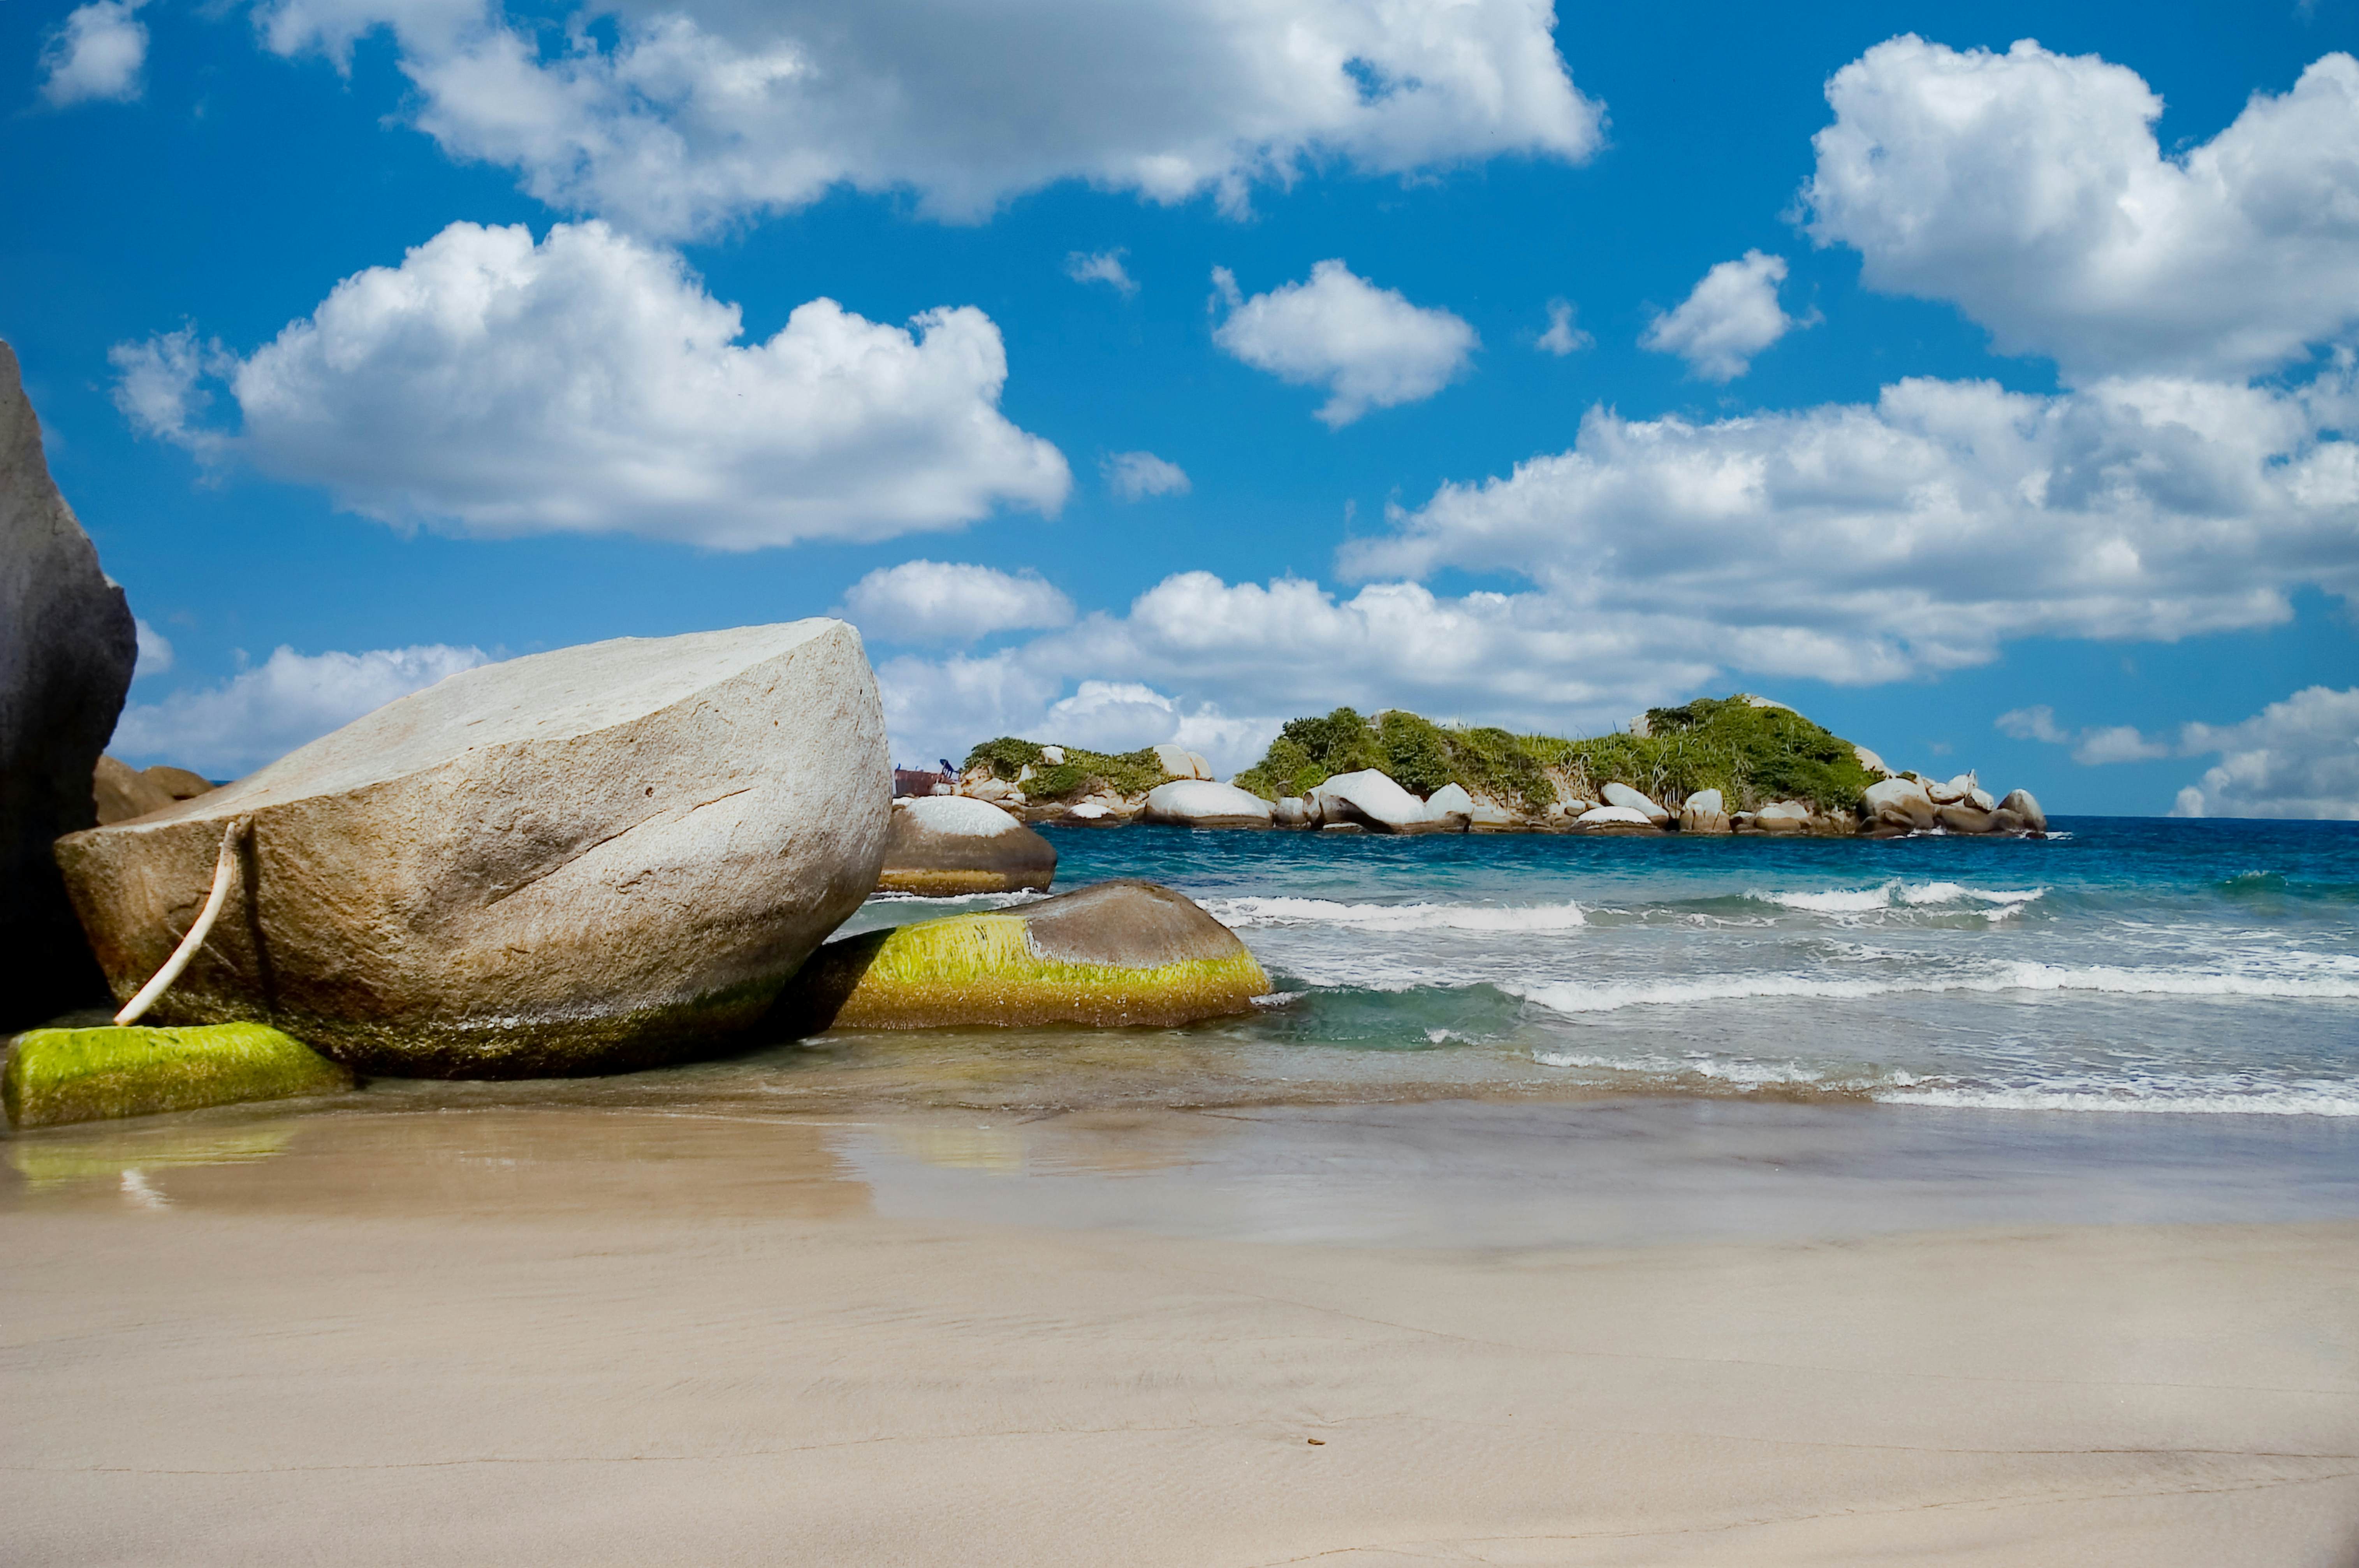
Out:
{"x": 1753, "y": 752}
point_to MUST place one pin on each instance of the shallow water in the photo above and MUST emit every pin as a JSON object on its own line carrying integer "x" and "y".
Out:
{"x": 2122, "y": 964}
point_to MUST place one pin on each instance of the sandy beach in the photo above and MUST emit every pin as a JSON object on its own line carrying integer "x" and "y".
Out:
{"x": 588, "y": 1335}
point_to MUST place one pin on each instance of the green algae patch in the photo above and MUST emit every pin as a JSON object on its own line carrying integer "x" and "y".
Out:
{"x": 986, "y": 969}
{"x": 59, "y": 1076}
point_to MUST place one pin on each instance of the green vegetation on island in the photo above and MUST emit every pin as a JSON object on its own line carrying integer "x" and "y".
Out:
{"x": 1751, "y": 753}
{"x": 1081, "y": 773}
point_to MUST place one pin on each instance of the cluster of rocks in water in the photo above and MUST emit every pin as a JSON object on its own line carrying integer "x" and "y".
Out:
{"x": 1370, "y": 801}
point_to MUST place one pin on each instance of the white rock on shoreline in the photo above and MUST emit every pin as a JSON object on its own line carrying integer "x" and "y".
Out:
{"x": 1371, "y": 799}
{"x": 1200, "y": 803}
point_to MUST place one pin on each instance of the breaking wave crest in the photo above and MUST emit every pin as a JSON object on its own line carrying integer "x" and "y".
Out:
{"x": 1570, "y": 997}
{"x": 1240, "y": 913}
{"x": 1994, "y": 904}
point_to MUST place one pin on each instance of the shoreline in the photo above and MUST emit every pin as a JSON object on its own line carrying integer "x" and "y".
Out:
{"x": 577, "y": 1335}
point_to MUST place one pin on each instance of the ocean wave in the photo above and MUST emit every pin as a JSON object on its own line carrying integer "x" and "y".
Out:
{"x": 1998, "y": 903}
{"x": 1568, "y": 997}
{"x": 1241, "y": 913}
{"x": 2197, "y": 1094}
{"x": 2325, "y": 1101}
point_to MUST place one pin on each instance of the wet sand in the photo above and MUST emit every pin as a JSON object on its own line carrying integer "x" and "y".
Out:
{"x": 1643, "y": 1332}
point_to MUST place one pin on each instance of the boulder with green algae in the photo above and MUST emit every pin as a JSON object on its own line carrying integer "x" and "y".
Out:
{"x": 1118, "y": 953}
{"x": 58, "y": 1076}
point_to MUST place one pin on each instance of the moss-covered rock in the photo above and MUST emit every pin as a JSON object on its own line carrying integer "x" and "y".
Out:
{"x": 58, "y": 1076}
{"x": 1118, "y": 953}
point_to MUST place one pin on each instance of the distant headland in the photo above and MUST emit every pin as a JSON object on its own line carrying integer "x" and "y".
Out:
{"x": 1734, "y": 764}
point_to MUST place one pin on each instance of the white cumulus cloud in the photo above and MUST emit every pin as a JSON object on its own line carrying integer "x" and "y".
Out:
{"x": 1563, "y": 336}
{"x": 1102, "y": 266}
{"x": 944, "y": 601}
{"x": 1730, "y": 316}
{"x": 2028, "y": 189}
{"x": 154, "y": 656}
{"x": 290, "y": 698}
{"x": 1368, "y": 346}
{"x": 2299, "y": 758}
{"x": 589, "y": 383}
{"x": 1135, "y": 476}
{"x": 96, "y": 53}
{"x": 676, "y": 117}
{"x": 2092, "y": 746}
{"x": 1916, "y": 534}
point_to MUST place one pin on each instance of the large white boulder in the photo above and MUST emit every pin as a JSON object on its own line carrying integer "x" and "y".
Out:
{"x": 1705, "y": 811}
{"x": 1954, "y": 791}
{"x": 1372, "y": 800}
{"x": 1452, "y": 806}
{"x": 1871, "y": 762}
{"x": 1614, "y": 816}
{"x": 1294, "y": 811}
{"x": 66, "y": 645}
{"x": 1783, "y": 817}
{"x": 1629, "y": 799}
{"x": 595, "y": 858}
{"x": 1199, "y": 802}
{"x": 941, "y": 846}
{"x": 1899, "y": 803}
{"x": 1181, "y": 762}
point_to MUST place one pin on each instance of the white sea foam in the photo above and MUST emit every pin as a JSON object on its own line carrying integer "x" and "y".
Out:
{"x": 2188, "y": 1093}
{"x": 2000, "y": 902}
{"x": 2297, "y": 1100}
{"x": 1741, "y": 1072}
{"x": 1241, "y": 913}
{"x": 1570, "y": 997}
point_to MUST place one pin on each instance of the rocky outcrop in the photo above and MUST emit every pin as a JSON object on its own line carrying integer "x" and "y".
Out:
{"x": 122, "y": 792}
{"x": 60, "y": 1075}
{"x": 1705, "y": 812}
{"x": 1783, "y": 817}
{"x": 1451, "y": 806}
{"x": 178, "y": 783}
{"x": 1199, "y": 802}
{"x": 590, "y": 859}
{"x": 66, "y": 645}
{"x": 1182, "y": 763}
{"x": 1118, "y": 953}
{"x": 1899, "y": 803}
{"x": 2020, "y": 813}
{"x": 941, "y": 846}
{"x": 1372, "y": 800}
{"x": 1629, "y": 799}
{"x": 1616, "y": 818}
{"x": 1294, "y": 812}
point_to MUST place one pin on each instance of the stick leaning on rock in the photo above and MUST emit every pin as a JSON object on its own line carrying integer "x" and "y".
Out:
{"x": 225, "y": 873}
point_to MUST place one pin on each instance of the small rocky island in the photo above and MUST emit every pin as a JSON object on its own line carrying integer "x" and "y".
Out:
{"x": 1734, "y": 764}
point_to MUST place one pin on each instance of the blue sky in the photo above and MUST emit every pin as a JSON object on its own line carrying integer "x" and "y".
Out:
{"x": 1165, "y": 370}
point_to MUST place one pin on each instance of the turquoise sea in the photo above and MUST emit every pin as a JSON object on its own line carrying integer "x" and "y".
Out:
{"x": 2120, "y": 965}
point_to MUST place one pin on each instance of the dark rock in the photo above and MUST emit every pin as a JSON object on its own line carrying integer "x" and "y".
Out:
{"x": 66, "y": 645}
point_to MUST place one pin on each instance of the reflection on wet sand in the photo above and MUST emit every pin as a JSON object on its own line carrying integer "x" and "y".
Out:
{"x": 492, "y": 1162}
